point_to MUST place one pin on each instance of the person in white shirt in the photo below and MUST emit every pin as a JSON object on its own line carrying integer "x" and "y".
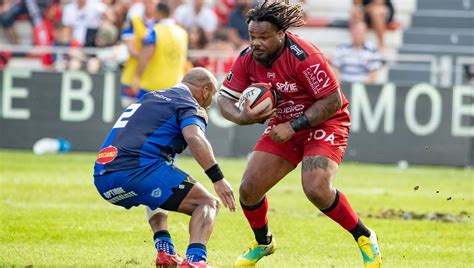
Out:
{"x": 83, "y": 18}
{"x": 359, "y": 60}
{"x": 196, "y": 12}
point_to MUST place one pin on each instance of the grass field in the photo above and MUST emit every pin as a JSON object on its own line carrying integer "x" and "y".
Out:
{"x": 51, "y": 215}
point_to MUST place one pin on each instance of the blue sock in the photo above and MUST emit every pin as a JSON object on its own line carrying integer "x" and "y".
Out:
{"x": 163, "y": 242}
{"x": 196, "y": 252}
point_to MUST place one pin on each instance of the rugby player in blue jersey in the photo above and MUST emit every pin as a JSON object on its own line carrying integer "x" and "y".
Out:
{"x": 135, "y": 164}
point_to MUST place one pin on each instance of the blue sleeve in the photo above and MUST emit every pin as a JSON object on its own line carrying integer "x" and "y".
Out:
{"x": 194, "y": 120}
{"x": 150, "y": 38}
{"x": 127, "y": 29}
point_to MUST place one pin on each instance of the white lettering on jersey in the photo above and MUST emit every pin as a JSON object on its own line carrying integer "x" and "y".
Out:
{"x": 317, "y": 79}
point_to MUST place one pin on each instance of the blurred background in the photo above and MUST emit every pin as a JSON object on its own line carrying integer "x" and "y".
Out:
{"x": 407, "y": 67}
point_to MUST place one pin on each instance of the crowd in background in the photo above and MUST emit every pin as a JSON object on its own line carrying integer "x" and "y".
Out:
{"x": 216, "y": 25}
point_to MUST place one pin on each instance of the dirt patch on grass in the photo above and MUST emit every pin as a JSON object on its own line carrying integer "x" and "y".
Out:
{"x": 391, "y": 213}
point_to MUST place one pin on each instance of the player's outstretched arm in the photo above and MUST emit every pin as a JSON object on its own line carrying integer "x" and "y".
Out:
{"x": 202, "y": 152}
{"x": 245, "y": 117}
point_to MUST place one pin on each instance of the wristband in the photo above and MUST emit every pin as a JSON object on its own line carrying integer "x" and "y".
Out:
{"x": 300, "y": 123}
{"x": 214, "y": 173}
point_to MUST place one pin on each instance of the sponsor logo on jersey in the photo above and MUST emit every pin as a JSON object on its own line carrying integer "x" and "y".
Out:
{"x": 271, "y": 75}
{"x": 297, "y": 51}
{"x": 229, "y": 76}
{"x": 287, "y": 87}
{"x": 159, "y": 96}
{"x": 289, "y": 110}
{"x": 317, "y": 78}
{"x": 107, "y": 155}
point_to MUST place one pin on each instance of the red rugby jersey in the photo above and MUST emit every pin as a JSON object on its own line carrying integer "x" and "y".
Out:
{"x": 300, "y": 75}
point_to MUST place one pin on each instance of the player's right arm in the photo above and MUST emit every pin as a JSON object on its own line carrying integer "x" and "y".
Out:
{"x": 202, "y": 152}
{"x": 144, "y": 57}
{"x": 235, "y": 83}
{"x": 128, "y": 38}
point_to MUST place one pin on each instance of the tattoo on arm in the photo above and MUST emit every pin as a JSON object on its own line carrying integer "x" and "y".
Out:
{"x": 314, "y": 162}
{"x": 323, "y": 109}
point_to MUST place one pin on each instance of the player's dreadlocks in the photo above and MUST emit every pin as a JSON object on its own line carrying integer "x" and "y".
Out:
{"x": 282, "y": 14}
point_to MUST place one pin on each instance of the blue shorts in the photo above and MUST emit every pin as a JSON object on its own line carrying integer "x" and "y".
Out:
{"x": 151, "y": 185}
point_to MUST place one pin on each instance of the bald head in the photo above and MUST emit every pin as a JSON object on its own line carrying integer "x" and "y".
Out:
{"x": 203, "y": 85}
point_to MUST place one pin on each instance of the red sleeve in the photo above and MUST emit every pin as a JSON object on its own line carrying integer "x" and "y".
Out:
{"x": 237, "y": 80}
{"x": 316, "y": 76}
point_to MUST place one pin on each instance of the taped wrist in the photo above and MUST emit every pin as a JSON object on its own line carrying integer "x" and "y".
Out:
{"x": 300, "y": 123}
{"x": 214, "y": 173}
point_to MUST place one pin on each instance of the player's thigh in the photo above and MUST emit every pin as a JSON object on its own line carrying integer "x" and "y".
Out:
{"x": 197, "y": 196}
{"x": 268, "y": 164}
{"x": 324, "y": 148}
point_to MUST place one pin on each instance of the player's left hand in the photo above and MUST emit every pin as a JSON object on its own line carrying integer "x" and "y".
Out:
{"x": 282, "y": 132}
{"x": 225, "y": 193}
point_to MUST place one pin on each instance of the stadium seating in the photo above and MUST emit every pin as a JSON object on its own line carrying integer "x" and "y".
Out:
{"x": 327, "y": 23}
{"x": 439, "y": 28}
{"x": 432, "y": 28}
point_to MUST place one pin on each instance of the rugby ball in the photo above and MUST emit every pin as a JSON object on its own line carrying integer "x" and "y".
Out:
{"x": 261, "y": 96}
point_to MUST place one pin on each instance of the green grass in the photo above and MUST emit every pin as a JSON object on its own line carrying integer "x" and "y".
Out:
{"x": 51, "y": 215}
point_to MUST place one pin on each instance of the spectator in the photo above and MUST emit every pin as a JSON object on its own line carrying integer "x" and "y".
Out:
{"x": 136, "y": 9}
{"x": 84, "y": 18}
{"x": 133, "y": 34}
{"x": 238, "y": 32}
{"x": 469, "y": 71}
{"x": 116, "y": 12}
{"x": 197, "y": 41}
{"x": 162, "y": 60}
{"x": 376, "y": 13}
{"x": 195, "y": 12}
{"x": 223, "y": 9}
{"x": 9, "y": 11}
{"x": 359, "y": 60}
{"x": 217, "y": 63}
{"x": 63, "y": 38}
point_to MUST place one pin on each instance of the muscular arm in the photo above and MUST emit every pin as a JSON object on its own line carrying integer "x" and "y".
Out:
{"x": 202, "y": 152}
{"x": 199, "y": 146}
{"x": 324, "y": 108}
{"x": 228, "y": 109}
{"x": 245, "y": 117}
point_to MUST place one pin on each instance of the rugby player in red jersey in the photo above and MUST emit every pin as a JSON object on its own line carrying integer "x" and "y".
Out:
{"x": 310, "y": 125}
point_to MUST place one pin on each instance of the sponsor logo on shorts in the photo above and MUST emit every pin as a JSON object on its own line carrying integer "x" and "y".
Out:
{"x": 320, "y": 134}
{"x": 117, "y": 194}
{"x": 107, "y": 155}
{"x": 156, "y": 193}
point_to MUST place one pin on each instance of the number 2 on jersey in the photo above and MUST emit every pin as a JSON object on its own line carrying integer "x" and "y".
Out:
{"x": 123, "y": 119}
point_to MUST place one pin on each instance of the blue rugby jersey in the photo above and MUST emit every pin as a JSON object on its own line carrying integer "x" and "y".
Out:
{"x": 150, "y": 130}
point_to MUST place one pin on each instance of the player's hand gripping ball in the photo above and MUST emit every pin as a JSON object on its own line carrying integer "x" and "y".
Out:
{"x": 261, "y": 97}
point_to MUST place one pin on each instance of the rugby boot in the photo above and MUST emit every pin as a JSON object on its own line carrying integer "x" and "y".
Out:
{"x": 196, "y": 264}
{"x": 369, "y": 249}
{"x": 254, "y": 253}
{"x": 164, "y": 260}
